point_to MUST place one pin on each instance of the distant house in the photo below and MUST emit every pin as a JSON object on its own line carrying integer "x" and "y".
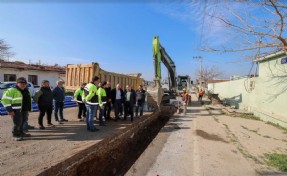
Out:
{"x": 10, "y": 71}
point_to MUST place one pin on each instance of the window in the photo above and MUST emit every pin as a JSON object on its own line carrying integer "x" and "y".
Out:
{"x": 9, "y": 77}
{"x": 33, "y": 79}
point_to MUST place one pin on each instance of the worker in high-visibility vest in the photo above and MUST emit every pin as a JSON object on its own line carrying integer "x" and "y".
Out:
{"x": 18, "y": 102}
{"x": 90, "y": 98}
{"x": 102, "y": 101}
{"x": 78, "y": 98}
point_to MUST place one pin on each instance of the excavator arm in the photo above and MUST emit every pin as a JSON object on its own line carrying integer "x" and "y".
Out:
{"x": 157, "y": 95}
{"x": 160, "y": 55}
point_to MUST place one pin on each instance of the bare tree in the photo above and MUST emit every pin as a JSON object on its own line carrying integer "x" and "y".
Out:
{"x": 258, "y": 24}
{"x": 4, "y": 50}
{"x": 258, "y": 28}
{"x": 209, "y": 73}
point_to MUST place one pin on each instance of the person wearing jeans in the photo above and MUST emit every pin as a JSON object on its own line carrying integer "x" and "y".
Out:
{"x": 90, "y": 98}
{"x": 59, "y": 97}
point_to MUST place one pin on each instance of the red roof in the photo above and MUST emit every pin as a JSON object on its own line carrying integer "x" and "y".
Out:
{"x": 23, "y": 66}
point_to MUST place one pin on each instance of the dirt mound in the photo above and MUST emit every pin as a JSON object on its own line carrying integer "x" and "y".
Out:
{"x": 115, "y": 155}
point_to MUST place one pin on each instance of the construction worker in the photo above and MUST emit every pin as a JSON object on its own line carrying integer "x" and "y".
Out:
{"x": 18, "y": 102}
{"x": 102, "y": 101}
{"x": 90, "y": 98}
{"x": 185, "y": 99}
{"x": 78, "y": 98}
{"x": 200, "y": 94}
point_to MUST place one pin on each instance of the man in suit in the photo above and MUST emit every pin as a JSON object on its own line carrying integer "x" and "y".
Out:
{"x": 129, "y": 102}
{"x": 117, "y": 100}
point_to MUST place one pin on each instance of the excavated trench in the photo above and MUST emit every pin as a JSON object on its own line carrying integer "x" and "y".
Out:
{"x": 116, "y": 154}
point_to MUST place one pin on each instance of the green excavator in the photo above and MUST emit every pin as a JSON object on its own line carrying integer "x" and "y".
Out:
{"x": 159, "y": 94}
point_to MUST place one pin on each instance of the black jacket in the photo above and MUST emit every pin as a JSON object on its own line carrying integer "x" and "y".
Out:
{"x": 26, "y": 99}
{"x": 114, "y": 94}
{"x": 132, "y": 97}
{"x": 140, "y": 96}
{"x": 109, "y": 93}
{"x": 46, "y": 99}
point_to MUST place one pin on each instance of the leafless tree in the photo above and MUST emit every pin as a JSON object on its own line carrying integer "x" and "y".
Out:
{"x": 4, "y": 50}
{"x": 209, "y": 73}
{"x": 258, "y": 28}
{"x": 256, "y": 24}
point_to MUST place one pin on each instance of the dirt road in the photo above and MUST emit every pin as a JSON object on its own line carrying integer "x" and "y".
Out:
{"x": 48, "y": 147}
{"x": 211, "y": 144}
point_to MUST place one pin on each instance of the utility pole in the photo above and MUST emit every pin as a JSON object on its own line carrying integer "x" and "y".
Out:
{"x": 200, "y": 59}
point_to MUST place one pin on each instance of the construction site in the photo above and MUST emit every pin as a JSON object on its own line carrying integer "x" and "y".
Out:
{"x": 171, "y": 138}
{"x": 114, "y": 104}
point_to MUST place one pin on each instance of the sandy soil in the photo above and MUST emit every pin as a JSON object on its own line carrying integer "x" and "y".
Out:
{"x": 50, "y": 146}
{"x": 201, "y": 143}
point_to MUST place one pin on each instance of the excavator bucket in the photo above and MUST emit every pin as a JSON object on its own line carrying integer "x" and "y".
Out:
{"x": 154, "y": 97}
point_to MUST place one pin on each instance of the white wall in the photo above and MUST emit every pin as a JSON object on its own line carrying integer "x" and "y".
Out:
{"x": 52, "y": 77}
{"x": 266, "y": 99}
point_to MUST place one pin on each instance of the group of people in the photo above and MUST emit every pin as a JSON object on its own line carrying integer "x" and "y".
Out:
{"x": 18, "y": 103}
{"x": 98, "y": 95}
{"x": 90, "y": 97}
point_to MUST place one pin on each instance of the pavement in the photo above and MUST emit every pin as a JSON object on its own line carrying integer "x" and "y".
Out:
{"x": 206, "y": 142}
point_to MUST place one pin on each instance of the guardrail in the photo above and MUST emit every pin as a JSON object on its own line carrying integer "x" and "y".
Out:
{"x": 67, "y": 104}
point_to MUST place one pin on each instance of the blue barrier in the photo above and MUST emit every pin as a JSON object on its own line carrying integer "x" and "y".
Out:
{"x": 68, "y": 103}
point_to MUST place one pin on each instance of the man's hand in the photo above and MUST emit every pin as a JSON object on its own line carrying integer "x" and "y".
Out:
{"x": 109, "y": 100}
{"x": 102, "y": 107}
{"x": 11, "y": 113}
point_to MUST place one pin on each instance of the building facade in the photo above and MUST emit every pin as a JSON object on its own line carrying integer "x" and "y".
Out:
{"x": 10, "y": 71}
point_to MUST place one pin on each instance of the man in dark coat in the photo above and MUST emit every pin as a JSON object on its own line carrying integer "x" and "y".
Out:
{"x": 44, "y": 99}
{"x": 108, "y": 105}
{"x": 140, "y": 100}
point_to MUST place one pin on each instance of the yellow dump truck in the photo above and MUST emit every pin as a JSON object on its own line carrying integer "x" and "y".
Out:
{"x": 79, "y": 73}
